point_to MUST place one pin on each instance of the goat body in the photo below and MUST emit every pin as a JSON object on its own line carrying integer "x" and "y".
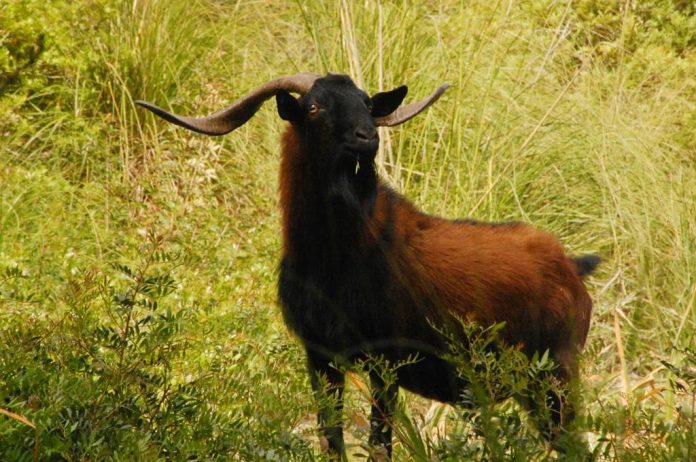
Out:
{"x": 378, "y": 279}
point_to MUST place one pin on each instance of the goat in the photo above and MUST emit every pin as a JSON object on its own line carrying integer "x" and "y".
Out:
{"x": 363, "y": 272}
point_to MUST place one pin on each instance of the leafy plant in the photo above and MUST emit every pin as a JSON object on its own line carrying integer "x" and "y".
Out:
{"x": 111, "y": 361}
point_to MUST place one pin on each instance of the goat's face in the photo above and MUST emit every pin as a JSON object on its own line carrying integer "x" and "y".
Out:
{"x": 339, "y": 118}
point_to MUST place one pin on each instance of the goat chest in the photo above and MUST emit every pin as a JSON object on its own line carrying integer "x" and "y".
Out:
{"x": 342, "y": 311}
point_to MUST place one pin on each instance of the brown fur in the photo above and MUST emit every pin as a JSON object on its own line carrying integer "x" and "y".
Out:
{"x": 511, "y": 273}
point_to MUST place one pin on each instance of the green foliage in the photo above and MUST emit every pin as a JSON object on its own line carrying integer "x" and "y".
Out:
{"x": 137, "y": 261}
{"x": 108, "y": 357}
{"x": 669, "y": 24}
{"x": 21, "y": 44}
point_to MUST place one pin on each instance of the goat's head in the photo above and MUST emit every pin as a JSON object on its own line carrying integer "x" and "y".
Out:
{"x": 331, "y": 109}
{"x": 337, "y": 120}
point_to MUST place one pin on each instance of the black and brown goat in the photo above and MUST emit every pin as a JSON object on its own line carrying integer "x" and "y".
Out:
{"x": 365, "y": 273}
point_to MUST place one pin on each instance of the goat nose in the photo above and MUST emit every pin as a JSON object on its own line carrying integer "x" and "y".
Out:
{"x": 365, "y": 133}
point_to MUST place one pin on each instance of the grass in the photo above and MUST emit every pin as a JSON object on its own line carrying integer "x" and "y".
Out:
{"x": 138, "y": 318}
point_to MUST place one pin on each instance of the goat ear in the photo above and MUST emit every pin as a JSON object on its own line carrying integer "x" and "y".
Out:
{"x": 288, "y": 106}
{"x": 385, "y": 103}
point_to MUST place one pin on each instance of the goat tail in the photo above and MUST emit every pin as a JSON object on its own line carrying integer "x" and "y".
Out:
{"x": 586, "y": 264}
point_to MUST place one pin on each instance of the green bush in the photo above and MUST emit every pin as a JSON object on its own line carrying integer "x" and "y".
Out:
{"x": 103, "y": 371}
{"x": 21, "y": 44}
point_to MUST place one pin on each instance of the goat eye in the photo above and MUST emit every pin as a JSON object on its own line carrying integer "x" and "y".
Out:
{"x": 313, "y": 109}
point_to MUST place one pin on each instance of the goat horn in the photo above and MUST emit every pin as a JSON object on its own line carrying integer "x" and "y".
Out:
{"x": 239, "y": 112}
{"x": 409, "y": 111}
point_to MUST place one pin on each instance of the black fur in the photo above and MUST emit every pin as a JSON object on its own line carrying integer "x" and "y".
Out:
{"x": 334, "y": 295}
{"x": 586, "y": 264}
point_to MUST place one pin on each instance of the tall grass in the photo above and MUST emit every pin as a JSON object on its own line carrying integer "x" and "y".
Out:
{"x": 576, "y": 117}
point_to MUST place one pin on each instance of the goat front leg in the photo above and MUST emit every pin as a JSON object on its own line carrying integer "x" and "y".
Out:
{"x": 328, "y": 384}
{"x": 384, "y": 398}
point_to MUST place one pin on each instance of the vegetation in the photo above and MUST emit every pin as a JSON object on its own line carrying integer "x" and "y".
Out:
{"x": 137, "y": 261}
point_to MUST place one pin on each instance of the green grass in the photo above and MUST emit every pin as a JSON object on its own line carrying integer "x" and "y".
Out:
{"x": 138, "y": 316}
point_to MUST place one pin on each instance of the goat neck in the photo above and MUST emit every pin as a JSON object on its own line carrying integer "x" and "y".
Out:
{"x": 327, "y": 210}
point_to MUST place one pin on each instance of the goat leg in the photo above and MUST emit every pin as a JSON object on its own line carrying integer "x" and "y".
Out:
{"x": 328, "y": 384}
{"x": 384, "y": 398}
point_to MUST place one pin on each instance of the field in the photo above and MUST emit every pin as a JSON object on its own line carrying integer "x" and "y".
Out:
{"x": 138, "y": 261}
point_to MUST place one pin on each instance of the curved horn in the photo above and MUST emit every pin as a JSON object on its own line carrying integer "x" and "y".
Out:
{"x": 409, "y": 111}
{"x": 239, "y": 112}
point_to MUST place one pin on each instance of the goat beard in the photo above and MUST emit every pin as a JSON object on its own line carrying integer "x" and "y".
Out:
{"x": 354, "y": 182}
